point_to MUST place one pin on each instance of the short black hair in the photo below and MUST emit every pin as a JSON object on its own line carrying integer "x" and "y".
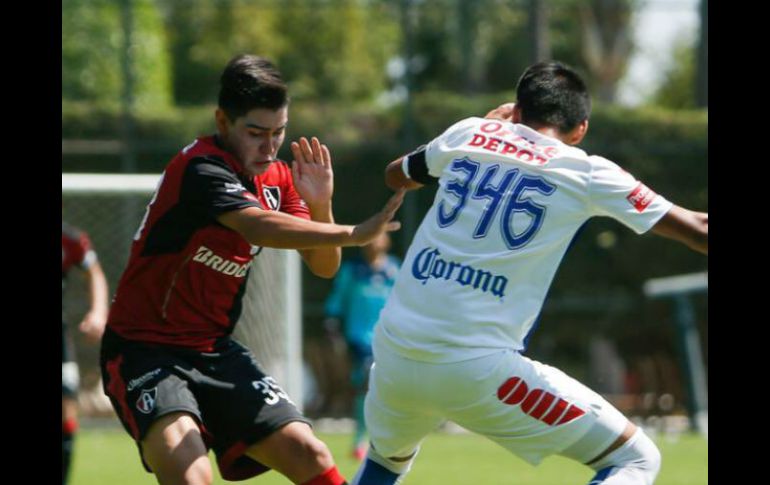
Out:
{"x": 552, "y": 94}
{"x": 249, "y": 82}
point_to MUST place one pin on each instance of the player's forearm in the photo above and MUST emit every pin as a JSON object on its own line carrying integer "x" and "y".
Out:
{"x": 98, "y": 290}
{"x": 323, "y": 262}
{"x": 688, "y": 227}
{"x": 283, "y": 231}
{"x": 699, "y": 239}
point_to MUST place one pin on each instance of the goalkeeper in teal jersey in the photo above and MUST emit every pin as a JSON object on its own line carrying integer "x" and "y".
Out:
{"x": 360, "y": 290}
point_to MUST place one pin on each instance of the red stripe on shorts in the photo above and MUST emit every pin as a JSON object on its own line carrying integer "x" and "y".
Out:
{"x": 117, "y": 389}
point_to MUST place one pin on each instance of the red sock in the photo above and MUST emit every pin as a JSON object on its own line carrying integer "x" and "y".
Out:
{"x": 70, "y": 426}
{"x": 329, "y": 477}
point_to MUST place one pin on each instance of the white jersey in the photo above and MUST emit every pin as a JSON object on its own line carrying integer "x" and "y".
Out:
{"x": 509, "y": 203}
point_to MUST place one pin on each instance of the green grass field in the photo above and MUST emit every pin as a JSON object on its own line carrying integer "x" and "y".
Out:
{"x": 109, "y": 457}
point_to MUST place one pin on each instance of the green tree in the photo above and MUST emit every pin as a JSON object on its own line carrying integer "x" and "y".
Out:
{"x": 91, "y": 51}
{"x": 326, "y": 48}
{"x": 92, "y": 44}
{"x": 677, "y": 91}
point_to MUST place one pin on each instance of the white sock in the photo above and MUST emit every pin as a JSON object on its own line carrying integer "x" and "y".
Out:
{"x": 636, "y": 462}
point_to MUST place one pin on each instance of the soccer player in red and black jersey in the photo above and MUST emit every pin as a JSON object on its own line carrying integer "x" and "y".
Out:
{"x": 76, "y": 251}
{"x": 179, "y": 384}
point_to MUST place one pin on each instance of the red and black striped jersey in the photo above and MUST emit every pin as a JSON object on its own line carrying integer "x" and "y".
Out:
{"x": 186, "y": 274}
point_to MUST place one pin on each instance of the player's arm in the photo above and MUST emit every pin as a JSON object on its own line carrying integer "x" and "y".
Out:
{"x": 323, "y": 262}
{"x": 503, "y": 112}
{"x": 314, "y": 181}
{"x": 685, "y": 226}
{"x": 94, "y": 321}
{"x": 278, "y": 230}
{"x": 409, "y": 172}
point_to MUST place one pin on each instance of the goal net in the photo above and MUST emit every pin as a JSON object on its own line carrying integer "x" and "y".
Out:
{"x": 110, "y": 207}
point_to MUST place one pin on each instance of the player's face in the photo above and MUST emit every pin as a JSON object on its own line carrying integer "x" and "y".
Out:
{"x": 254, "y": 139}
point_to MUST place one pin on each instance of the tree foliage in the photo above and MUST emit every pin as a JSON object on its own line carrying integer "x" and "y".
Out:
{"x": 92, "y": 46}
{"x": 677, "y": 91}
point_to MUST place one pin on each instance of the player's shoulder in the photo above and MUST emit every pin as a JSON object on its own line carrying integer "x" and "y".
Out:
{"x": 468, "y": 124}
{"x": 601, "y": 162}
{"x": 203, "y": 156}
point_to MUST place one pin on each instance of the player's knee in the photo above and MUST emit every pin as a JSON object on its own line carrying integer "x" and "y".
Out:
{"x": 653, "y": 459}
{"x": 399, "y": 464}
{"x": 316, "y": 452}
{"x": 196, "y": 473}
{"x": 199, "y": 473}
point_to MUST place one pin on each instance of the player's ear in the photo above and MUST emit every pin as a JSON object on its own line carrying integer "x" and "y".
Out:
{"x": 223, "y": 122}
{"x": 516, "y": 118}
{"x": 578, "y": 133}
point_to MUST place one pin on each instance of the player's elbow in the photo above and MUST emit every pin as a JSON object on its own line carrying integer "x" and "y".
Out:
{"x": 323, "y": 263}
{"x": 395, "y": 178}
{"x": 325, "y": 273}
{"x": 700, "y": 233}
{"x": 394, "y": 175}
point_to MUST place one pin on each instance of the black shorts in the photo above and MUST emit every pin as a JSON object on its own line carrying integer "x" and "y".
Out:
{"x": 234, "y": 402}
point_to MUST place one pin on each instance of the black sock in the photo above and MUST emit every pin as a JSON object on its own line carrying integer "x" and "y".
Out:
{"x": 66, "y": 454}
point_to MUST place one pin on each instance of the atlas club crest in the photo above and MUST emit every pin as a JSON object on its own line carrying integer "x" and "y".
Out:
{"x": 272, "y": 196}
{"x": 146, "y": 401}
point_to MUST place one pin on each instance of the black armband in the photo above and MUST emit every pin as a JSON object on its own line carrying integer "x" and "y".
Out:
{"x": 417, "y": 168}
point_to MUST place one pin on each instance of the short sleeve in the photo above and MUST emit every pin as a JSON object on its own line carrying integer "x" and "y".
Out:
{"x": 211, "y": 188}
{"x": 616, "y": 193}
{"x": 426, "y": 164}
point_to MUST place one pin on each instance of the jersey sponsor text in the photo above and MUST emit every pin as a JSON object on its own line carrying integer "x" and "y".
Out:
{"x": 428, "y": 264}
{"x": 641, "y": 197}
{"x": 231, "y": 268}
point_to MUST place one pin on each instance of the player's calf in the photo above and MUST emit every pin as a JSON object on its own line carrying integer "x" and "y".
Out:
{"x": 636, "y": 462}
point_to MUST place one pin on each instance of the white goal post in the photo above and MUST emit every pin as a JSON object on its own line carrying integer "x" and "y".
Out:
{"x": 109, "y": 207}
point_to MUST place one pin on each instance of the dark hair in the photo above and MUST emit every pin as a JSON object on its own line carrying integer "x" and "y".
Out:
{"x": 250, "y": 82}
{"x": 552, "y": 94}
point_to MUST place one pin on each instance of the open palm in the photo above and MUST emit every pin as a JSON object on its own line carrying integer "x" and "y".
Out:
{"x": 312, "y": 171}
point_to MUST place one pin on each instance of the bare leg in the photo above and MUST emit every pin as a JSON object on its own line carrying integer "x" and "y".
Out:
{"x": 175, "y": 452}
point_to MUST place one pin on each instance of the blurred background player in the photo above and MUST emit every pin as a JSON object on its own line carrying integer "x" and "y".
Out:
{"x": 76, "y": 251}
{"x": 360, "y": 290}
{"x": 513, "y": 192}
{"x": 179, "y": 383}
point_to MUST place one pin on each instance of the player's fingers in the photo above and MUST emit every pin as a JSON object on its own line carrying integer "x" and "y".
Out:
{"x": 394, "y": 203}
{"x": 393, "y": 226}
{"x": 326, "y": 156}
{"x": 306, "y": 150}
{"x": 297, "y": 152}
{"x": 295, "y": 171}
{"x": 317, "y": 153}
{"x": 397, "y": 198}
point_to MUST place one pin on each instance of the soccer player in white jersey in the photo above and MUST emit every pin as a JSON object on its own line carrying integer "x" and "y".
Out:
{"x": 513, "y": 191}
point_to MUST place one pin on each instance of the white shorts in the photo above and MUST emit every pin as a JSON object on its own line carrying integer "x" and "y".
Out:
{"x": 530, "y": 409}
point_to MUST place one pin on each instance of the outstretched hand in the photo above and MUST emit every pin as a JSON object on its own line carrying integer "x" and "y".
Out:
{"x": 381, "y": 222}
{"x": 312, "y": 171}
